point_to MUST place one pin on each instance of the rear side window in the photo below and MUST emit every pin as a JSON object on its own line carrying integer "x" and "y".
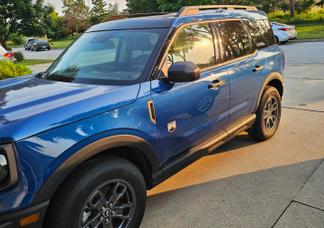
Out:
{"x": 235, "y": 40}
{"x": 194, "y": 43}
{"x": 265, "y": 29}
{"x": 255, "y": 34}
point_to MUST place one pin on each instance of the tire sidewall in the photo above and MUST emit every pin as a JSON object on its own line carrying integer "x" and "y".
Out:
{"x": 90, "y": 181}
{"x": 270, "y": 91}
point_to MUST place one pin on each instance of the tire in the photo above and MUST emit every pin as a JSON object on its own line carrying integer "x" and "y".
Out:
{"x": 267, "y": 119}
{"x": 277, "y": 40}
{"x": 86, "y": 188}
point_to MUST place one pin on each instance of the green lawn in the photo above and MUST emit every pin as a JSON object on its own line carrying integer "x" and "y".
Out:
{"x": 63, "y": 43}
{"x": 310, "y": 31}
{"x": 35, "y": 61}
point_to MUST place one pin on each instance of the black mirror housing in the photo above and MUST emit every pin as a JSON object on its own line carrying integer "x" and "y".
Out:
{"x": 183, "y": 72}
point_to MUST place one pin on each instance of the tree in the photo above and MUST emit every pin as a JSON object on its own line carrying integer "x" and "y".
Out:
{"x": 320, "y": 3}
{"x": 142, "y": 6}
{"x": 76, "y": 15}
{"x": 113, "y": 9}
{"x": 16, "y": 16}
{"x": 98, "y": 11}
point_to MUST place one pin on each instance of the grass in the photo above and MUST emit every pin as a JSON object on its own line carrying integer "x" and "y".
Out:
{"x": 63, "y": 43}
{"x": 29, "y": 62}
{"x": 310, "y": 31}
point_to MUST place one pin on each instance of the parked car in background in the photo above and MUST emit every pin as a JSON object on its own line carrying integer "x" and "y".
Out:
{"x": 283, "y": 32}
{"x": 128, "y": 105}
{"x": 6, "y": 55}
{"x": 40, "y": 45}
{"x": 29, "y": 43}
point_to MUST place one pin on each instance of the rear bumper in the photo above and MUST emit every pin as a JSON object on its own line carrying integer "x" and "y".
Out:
{"x": 12, "y": 220}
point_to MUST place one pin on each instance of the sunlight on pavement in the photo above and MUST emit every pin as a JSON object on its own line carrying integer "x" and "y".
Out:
{"x": 299, "y": 139}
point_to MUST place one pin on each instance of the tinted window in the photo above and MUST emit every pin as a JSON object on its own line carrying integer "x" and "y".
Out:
{"x": 195, "y": 44}
{"x": 255, "y": 34}
{"x": 265, "y": 29}
{"x": 235, "y": 40}
{"x": 108, "y": 57}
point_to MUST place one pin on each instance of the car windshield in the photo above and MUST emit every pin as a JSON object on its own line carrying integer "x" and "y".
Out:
{"x": 118, "y": 57}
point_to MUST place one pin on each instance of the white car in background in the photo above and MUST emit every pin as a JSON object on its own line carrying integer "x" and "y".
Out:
{"x": 6, "y": 55}
{"x": 283, "y": 32}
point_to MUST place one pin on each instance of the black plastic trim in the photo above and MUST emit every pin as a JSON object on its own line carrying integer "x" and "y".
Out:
{"x": 11, "y": 220}
{"x": 98, "y": 147}
{"x": 8, "y": 150}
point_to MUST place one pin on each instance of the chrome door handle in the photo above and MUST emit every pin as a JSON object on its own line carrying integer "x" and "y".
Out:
{"x": 216, "y": 84}
{"x": 258, "y": 68}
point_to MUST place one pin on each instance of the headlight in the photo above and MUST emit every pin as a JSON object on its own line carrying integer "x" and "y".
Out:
{"x": 8, "y": 166}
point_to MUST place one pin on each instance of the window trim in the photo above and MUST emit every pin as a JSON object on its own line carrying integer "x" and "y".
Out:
{"x": 216, "y": 44}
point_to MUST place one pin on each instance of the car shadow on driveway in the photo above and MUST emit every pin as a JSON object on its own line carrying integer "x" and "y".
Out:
{"x": 254, "y": 199}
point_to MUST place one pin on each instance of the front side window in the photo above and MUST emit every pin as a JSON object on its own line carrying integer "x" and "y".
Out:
{"x": 235, "y": 40}
{"x": 108, "y": 57}
{"x": 194, "y": 43}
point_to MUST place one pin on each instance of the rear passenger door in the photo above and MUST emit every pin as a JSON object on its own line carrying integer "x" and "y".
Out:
{"x": 240, "y": 59}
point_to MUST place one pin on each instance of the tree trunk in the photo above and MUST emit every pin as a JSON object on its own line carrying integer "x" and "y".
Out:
{"x": 4, "y": 43}
{"x": 292, "y": 8}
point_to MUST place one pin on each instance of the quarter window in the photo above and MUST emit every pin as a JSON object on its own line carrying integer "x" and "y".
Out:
{"x": 235, "y": 40}
{"x": 195, "y": 44}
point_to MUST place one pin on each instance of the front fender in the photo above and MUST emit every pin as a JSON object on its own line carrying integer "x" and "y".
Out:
{"x": 88, "y": 150}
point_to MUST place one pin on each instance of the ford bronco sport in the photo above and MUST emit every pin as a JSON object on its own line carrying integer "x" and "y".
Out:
{"x": 129, "y": 104}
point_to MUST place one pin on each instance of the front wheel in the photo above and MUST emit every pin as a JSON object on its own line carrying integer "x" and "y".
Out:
{"x": 268, "y": 115}
{"x": 102, "y": 193}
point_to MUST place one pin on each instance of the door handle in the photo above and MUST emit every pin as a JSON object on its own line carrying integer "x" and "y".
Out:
{"x": 258, "y": 68}
{"x": 216, "y": 84}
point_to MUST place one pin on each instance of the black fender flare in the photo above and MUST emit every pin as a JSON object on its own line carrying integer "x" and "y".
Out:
{"x": 272, "y": 76}
{"x": 100, "y": 146}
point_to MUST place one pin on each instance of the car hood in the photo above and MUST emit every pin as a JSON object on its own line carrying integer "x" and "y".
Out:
{"x": 29, "y": 105}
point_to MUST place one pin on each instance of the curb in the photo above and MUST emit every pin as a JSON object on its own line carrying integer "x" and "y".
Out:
{"x": 306, "y": 40}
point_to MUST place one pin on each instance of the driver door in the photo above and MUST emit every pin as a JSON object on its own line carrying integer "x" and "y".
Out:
{"x": 188, "y": 113}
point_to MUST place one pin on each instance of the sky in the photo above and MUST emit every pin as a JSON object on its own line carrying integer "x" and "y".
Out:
{"x": 58, "y": 4}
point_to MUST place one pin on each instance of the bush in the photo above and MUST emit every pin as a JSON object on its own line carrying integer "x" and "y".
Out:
{"x": 11, "y": 70}
{"x": 19, "y": 56}
{"x": 16, "y": 38}
{"x": 310, "y": 16}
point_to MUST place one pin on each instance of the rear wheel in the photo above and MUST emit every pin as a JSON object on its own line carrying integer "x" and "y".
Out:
{"x": 103, "y": 193}
{"x": 268, "y": 115}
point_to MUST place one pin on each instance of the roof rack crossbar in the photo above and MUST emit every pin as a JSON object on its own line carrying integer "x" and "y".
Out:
{"x": 192, "y": 10}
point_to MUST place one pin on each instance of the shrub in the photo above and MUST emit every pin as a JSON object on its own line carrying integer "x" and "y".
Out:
{"x": 11, "y": 70}
{"x": 16, "y": 38}
{"x": 19, "y": 56}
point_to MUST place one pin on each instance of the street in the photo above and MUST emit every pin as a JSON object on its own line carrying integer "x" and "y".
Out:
{"x": 245, "y": 183}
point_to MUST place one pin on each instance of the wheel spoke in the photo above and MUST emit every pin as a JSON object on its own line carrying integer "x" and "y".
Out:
{"x": 117, "y": 193}
{"x": 97, "y": 201}
{"x": 123, "y": 211}
{"x": 93, "y": 223}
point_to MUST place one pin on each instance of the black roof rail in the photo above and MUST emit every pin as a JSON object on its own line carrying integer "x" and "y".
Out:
{"x": 192, "y": 10}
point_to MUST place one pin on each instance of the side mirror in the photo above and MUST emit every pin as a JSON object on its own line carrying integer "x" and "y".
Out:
{"x": 183, "y": 72}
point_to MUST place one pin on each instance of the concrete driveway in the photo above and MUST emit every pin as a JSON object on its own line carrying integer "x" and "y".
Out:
{"x": 277, "y": 183}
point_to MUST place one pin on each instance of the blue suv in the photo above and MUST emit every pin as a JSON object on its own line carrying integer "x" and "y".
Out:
{"x": 129, "y": 104}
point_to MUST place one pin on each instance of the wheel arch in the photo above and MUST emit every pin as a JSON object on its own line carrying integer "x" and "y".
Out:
{"x": 275, "y": 80}
{"x": 130, "y": 147}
